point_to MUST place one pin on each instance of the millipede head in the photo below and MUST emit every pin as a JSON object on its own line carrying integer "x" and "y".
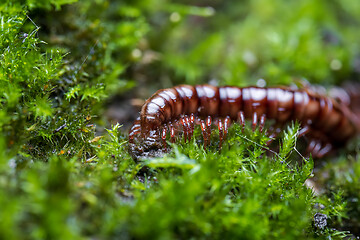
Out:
{"x": 145, "y": 144}
{"x": 146, "y": 147}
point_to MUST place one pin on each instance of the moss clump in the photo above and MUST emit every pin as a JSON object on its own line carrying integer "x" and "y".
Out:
{"x": 64, "y": 170}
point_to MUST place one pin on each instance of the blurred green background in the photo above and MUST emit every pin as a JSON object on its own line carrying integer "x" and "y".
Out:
{"x": 70, "y": 70}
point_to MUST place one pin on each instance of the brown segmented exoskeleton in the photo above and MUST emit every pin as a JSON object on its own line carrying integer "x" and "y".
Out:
{"x": 328, "y": 121}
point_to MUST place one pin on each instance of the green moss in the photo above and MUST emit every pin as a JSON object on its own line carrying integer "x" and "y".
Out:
{"x": 65, "y": 172}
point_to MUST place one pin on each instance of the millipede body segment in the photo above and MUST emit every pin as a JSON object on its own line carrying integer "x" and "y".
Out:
{"x": 328, "y": 121}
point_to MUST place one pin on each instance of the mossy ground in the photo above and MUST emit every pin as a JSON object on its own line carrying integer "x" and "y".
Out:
{"x": 65, "y": 172}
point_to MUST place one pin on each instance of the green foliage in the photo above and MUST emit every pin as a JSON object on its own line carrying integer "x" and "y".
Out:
{"x": 273, "y": 40}
{"x": 47, "y": 4}
{"x": 343, "y": 177}
{"x": 65, "y": 174}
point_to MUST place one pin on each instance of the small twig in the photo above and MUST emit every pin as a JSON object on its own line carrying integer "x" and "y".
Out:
{"x": 266, "y": 148}
{"x": 90, "y": 159}
{"x": 87, "y": 56}
{"x": 297, "y": 134}
{"x": 37, "y": 27}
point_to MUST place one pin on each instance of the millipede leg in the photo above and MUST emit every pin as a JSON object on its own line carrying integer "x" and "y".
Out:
{"x": 191, "y": 125}
{"x": 221, "y": 132}
{"x": 304, "y": 130}
{"x": 319, "y": 149}
{"x": 311, "y": 146}
{"x": 262, "y": 122}
{"x": 135, "y": 130}
{"x": 204, "y": 132}
{"x": 273, "y": 135}
{"x": 172, "y": 134}
{"x": 163, "y": 137}
{"x": 316, "y": 149}
{"x": 188, "y": 129}
{"x": 131, "y": 139}
{"x": 132, "y": 135}
{"x": 325, "y": 149}
{"x": 241, "y": 119}
{"x": 227, "y": 124}
{"x": 186, "y": 122}
{"x": 185, "y": 130}
{"x": 208, "y": 128}
{"x": 254, "y": 121}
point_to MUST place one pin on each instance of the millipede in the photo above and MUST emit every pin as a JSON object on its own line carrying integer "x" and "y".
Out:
{"x": 327, "y": 120}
